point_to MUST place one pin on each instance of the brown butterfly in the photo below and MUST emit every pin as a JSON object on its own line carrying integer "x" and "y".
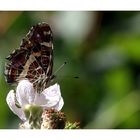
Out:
{"x": 33, "y": 60}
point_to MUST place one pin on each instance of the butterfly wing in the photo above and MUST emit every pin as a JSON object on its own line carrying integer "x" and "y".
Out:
{"x": 34, "y": 59}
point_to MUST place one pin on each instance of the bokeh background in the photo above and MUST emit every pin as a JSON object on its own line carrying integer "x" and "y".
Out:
{"x": 101, "y": 48}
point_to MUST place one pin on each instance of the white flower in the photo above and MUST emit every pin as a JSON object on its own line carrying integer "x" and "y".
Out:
{"x": 25, "y": 95}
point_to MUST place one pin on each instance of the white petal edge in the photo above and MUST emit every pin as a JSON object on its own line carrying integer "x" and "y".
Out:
{"x": 25, "y": 92}
{"x": 10, "y": 99}
{"x": 60, "y": 104}
{"x": 50, "y": 98}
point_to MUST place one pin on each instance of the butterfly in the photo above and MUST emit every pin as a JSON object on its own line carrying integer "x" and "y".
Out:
{"x": 33, "y": 60}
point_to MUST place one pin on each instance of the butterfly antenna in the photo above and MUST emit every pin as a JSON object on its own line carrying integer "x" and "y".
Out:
{"x": 54, "y": 75}
{"x": 76, "y": 77}
{"x": 60, "y": 68}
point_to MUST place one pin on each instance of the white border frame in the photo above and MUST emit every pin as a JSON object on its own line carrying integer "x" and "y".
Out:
{"x": 60, "y": 5}
{"x": 70, "y": 134}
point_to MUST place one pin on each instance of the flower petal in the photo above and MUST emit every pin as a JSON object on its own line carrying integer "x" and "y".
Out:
{"x": 60, "y": 104}
{"x": 50, "y": 97}
{"x": 25, "y": 93}
{"x": 10, "y": 99}
{"x": 25, "y": 125}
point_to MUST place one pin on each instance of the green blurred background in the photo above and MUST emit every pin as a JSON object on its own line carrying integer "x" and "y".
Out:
{"x": 101, "y": 48}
